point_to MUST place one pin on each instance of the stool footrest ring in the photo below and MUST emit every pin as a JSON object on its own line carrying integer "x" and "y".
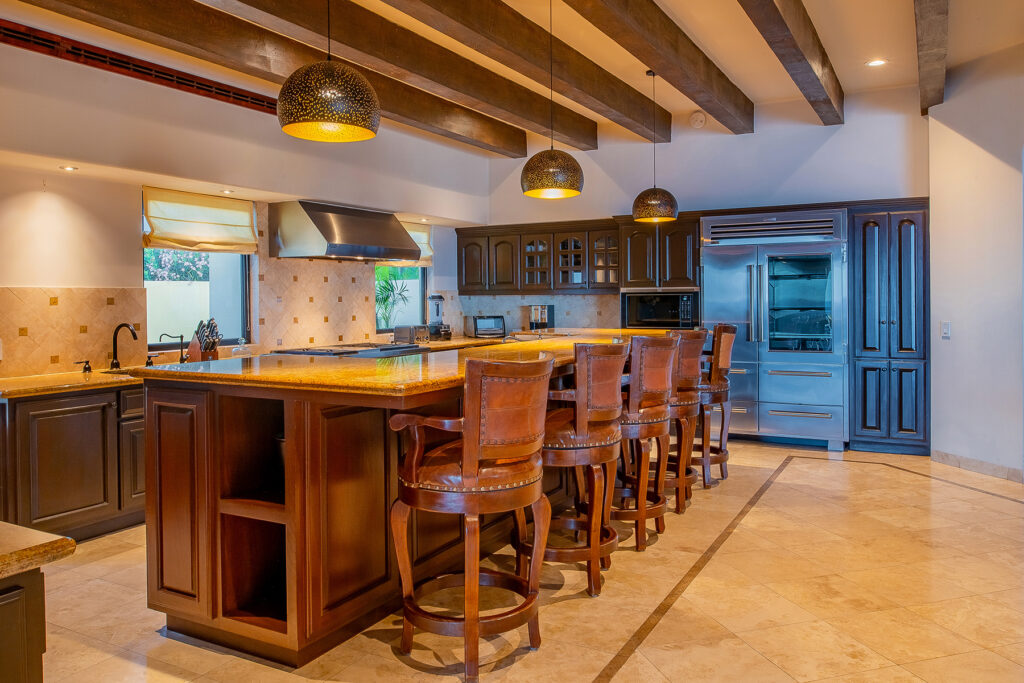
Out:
{"x": 490, "y": 624}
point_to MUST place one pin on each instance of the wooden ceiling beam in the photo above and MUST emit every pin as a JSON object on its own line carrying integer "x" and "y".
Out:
{"x": 493, "y": 28}
{"x": 643, "y": 28}
{"x": 369, "y": 40}
{"x": 199, "y": 31}
{"x": 790, "y": 34}
{"x": 931, "y": 18}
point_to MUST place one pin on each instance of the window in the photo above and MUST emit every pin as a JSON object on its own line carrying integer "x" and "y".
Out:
{"x": 196, "y": 263}
{"x": 184, "y": 287}
{"x": 400, "y": 296}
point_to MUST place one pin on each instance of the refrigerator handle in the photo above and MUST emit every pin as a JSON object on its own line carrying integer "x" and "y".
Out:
{"x": 752, "y": 303}
{"x": 761, "y": 313}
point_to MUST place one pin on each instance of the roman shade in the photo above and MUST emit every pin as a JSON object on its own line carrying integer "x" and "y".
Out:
{"x": 421, "y": 236}
{"x": 197, "y": 222}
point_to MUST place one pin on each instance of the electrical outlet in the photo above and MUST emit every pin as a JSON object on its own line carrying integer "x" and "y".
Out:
{"x": 945, "y": 329}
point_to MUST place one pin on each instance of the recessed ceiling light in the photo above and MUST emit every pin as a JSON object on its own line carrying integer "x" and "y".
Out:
{"x": 227, "y": 191}
{"x": 69, "y": 169}
{"x": 877, "y": 62}
{"x": 423, "y": 220}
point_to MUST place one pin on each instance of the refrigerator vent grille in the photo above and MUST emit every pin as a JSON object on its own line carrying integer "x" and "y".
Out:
{"x": 814, "y": 225}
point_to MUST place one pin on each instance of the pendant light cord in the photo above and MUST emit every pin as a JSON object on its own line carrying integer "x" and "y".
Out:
{"x": 328, "y": 30}
{"x": 551, "y": 75}
{"x": 654, "y": 128}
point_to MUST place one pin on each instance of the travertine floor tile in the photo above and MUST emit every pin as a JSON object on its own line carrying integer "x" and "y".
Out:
{"x": 813, "y": 650}
{"x": 903, "y": 636}
{"x": 131, "y": 666}
{"x": 890, "y": 674}
{"x": 1015, "y": 652}
{"x": 638, "y": 668}
{"x": 831, "y": 596}
{"x": 909, "y": 584}
{"x": 978, "y": 667}
{"x": 745, "y": 608}
{"x": 68, "y": 652}
{"x": 722, "y": 659}
{"x": 682, "y": 622}
{"x": 984, "y": 620}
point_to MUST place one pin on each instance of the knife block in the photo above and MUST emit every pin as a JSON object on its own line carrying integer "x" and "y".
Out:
{"x": 195, "y": 354}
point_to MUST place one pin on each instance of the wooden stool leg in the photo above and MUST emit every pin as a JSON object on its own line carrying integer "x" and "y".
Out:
{"x": 400, "y": 532}
{"x": 642, "y": 474}
{"x": 541, "y": 521}
{"x": 472, "y": 588}
{"x": 681, "y": 463}
{"x": 723, "y": 438}
{"x": 691, "y": 435}
{"x": 595, "y": 517}
{"x": 705, "y": 460}
{"x": 520, "y": 532}
{"x": 660, "y": 469}
{"x": 609, "y": 493}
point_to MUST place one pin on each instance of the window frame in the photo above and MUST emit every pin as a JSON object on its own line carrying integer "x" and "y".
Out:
{"x": 423, "y": 302}
{"x": 246, "y": 265}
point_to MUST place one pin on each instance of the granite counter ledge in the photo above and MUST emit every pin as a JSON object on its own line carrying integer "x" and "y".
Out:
{"x": 63, "y": 382}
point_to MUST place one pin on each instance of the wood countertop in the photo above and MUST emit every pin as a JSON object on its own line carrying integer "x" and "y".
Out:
{"x": 62, "y": 382}
{"x": 23, "y": 549}
{"x": 397, "y": 376}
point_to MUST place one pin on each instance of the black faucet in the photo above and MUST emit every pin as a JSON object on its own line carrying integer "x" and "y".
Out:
{"x": 182, "y": 357}
{"x": 114, "y": 363}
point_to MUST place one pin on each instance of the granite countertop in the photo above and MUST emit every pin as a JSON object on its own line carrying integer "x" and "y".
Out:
{"x": 22, "y": 549}
{"x": 62, "y": 382}
{"x": 397, "y": 376}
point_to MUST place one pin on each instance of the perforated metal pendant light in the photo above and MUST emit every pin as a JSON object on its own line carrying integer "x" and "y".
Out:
{"x": 655, "y": 204}
{"x": 328, "y": 101}
{"x": 551, "y": 173}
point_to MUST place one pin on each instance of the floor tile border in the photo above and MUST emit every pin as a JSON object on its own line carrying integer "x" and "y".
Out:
{"x": 634, "y": 642}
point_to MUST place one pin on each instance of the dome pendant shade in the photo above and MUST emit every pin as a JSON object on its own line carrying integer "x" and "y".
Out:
{"x": 654, "y": 205}
{"x": 552, "y": 174}
{"x": 328, "y": 102}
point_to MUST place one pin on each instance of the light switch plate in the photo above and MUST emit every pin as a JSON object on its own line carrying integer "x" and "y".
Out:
{"x": 945, "y": 328}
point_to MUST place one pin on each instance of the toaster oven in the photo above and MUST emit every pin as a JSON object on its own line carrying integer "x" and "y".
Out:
{"x": 485, "y": 326}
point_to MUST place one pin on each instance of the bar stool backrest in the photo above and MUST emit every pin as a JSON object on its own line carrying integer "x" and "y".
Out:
{"x": 504, "y": 406}
{"x": 598, "y": 393}
{"x": 721, "y": 352}
{"x": 691, "y": 346}
{"x": 652, "y": 363}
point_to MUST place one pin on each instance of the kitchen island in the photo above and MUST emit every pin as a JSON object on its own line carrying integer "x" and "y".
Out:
{"x": 269, "y": 481}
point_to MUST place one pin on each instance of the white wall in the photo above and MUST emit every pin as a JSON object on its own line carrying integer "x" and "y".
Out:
{"x": 880, "y": 152}
{"x": 60, "y": 230}
{"x": 976, "y": 142}
{"x": 64, "y": 110}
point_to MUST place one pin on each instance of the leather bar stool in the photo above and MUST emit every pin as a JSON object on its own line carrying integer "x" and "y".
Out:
{"x": 494, "y": 467}
{"x": 586, "y": 437}
{"x": 684, "y": 410}
{"x": 714, "y": 391}
{"x": 645, "y": 416}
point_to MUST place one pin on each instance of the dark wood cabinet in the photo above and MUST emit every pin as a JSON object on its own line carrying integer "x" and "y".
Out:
{"x": 679, "y": 253}
{"x": 907, "y": 401}
{"x": 871, "y": 409}
{"x": 536, "y": 260}
{"x": 889, "y": 311}
{"x": 22, "y": 627}
{"x": 639, "y": 255}
{"x": 178, "y": 501}
{"x": 570, "y": 260}
{"x": 503, "y": 262}
{"x": 132, "y": 452}
{"x": 67, "y": 461}
{"x": 603, "y": 246}
{"x": 472, "y": 263}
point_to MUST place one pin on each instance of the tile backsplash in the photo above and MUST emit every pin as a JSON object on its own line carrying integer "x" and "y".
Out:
{"x": 571, "y": 310}
{"x": 45, "y": 330}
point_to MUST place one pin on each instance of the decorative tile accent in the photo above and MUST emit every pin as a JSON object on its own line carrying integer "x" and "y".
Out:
{"x": 41, "y": 337}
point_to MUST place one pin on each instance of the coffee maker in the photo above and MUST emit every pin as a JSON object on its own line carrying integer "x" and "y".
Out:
{"x": 541, "y": 317}
{"x": 439, "y": 331}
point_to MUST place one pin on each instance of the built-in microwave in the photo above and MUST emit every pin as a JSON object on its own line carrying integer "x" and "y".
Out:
{"x": 660, "y": 310}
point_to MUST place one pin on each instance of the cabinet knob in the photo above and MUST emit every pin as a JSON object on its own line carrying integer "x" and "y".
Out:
{"x": 884, "y": 322}
{"x": 892, "y": 322}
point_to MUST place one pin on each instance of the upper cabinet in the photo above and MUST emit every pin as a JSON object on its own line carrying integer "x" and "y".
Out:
{"x": 570, "y": 260}
{"x": 472, "y": 263}
{"x": 604, "y": 259}
{"x": 660, "y": 255}
{"x": 536, "y": 261}
{"x": 504, "y": 262}
{"x": 888, "y": 284}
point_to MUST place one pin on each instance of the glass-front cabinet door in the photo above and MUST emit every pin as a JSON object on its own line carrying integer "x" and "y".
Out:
{"x": 570, "y": 260}
{"x": 803, "y": 306}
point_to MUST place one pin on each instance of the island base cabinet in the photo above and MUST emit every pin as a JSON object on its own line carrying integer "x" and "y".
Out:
{"x": 22, "y": 628}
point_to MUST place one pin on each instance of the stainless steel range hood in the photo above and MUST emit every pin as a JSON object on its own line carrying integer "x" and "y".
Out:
{"x": 307, "y": 229}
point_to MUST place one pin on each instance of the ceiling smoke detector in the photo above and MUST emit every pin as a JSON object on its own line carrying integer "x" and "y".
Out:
{"x": 698, "y": 119}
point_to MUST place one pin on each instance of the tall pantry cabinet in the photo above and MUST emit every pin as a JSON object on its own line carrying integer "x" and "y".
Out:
{"x": 889, "y": 312}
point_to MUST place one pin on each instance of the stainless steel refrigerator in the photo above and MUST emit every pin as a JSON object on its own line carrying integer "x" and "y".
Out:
{"x": 782, "y": 280}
